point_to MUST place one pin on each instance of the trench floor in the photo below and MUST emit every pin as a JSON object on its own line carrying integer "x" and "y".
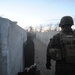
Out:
{"x": 40, "y": 58}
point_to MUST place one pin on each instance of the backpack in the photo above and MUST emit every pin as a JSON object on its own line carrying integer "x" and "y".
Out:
{"x": 68, "y": 47}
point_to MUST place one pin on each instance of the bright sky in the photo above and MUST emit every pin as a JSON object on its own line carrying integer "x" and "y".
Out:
{"x": 35, "y": 12}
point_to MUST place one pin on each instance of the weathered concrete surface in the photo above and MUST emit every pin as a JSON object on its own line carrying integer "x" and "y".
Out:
{"x": 12, "y": 38}
{"x": 40, "y": 51}
{"x": 44, "y": 37}
{"x": 40, "y": 59}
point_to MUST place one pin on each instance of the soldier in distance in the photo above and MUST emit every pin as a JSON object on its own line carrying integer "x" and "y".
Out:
{"x": 61, "y": 48}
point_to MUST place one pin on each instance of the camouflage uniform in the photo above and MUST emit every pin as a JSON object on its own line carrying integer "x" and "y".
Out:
{"x": 62, "y": 67}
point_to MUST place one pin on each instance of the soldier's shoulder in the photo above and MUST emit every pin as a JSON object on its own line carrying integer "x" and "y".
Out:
{"x": 57, "y": 35}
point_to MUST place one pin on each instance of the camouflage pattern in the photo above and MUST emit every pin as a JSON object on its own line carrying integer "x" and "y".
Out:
{"x": 62, "y": 67}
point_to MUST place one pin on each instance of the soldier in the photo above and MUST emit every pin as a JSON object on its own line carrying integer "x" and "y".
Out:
{"x": 61, "y": 48}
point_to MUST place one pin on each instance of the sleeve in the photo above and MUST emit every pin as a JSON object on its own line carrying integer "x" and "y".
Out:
{"x": 54, "y": 43}
{"x": 48, "y": 58}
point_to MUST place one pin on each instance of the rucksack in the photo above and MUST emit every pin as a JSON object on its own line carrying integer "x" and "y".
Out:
{"x": 68, "y": 47}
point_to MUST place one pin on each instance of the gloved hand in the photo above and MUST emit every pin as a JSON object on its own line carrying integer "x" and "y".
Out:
{"x": 48, "y": 66}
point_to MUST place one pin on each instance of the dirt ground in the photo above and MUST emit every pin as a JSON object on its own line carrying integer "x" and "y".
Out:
{"x": 40, "y": 58}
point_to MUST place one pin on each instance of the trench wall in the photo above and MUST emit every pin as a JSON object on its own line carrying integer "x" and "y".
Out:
{"x": 45, "y": 37}
{"x": 12, "y": 38}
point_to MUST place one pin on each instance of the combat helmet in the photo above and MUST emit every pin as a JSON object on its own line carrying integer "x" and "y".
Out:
{"x": 66, "y": 20}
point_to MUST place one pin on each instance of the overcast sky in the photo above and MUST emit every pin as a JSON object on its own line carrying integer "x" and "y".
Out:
{"x": 35, "y": 12}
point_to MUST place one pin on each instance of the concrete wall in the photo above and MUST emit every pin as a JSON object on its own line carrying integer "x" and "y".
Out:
{"x": 44, "y": 37}
{"x": 12, "y": 38}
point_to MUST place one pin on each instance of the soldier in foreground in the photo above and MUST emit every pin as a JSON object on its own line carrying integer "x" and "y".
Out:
{"x": 61, "y": 48}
